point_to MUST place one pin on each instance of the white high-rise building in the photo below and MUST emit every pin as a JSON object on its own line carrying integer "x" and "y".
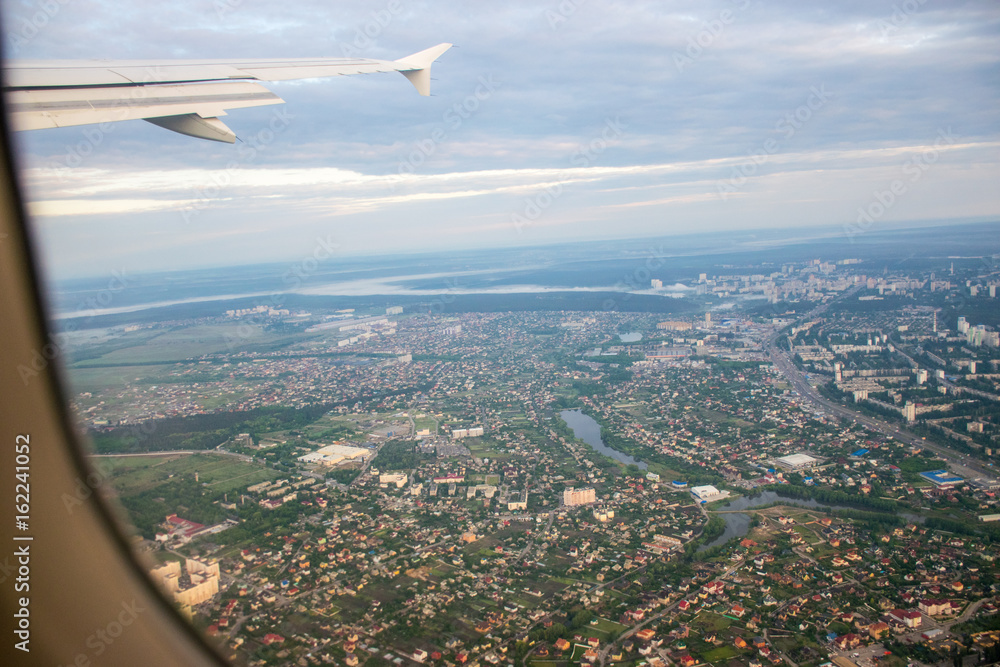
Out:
{"x": 572, "y": 497}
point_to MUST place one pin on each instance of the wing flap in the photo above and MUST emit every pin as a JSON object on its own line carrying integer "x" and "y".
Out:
{"x": 38, "y": 109}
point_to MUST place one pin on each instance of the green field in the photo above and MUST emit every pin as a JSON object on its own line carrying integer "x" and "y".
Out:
{"x": 426, "y": 422}
{"x": 134, "y": 474}
{"x": 710, "y": 622}
{"x": 481, "y": 449}
{"x": 114, "y": 377}
{"x": 719, "y": 654}
{"x": 610, "y": 627}
{"x": 177, "y": 344}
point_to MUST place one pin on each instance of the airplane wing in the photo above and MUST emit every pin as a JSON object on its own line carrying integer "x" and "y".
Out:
{"x": 185, "y": 96}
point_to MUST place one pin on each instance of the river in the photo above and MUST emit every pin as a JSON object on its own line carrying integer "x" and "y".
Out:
{"x": 738, "y": 525}
{"x": 588, "y": 430}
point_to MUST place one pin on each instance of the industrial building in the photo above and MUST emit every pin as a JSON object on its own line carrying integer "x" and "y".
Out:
{"x": 942, "y": 478}
{"x": 707, "y": 493}
{"x": 796, "y": 461}
{"x": 334, "y": 454}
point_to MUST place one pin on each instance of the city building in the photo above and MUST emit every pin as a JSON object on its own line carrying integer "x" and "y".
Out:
{"x": 203, "y": 576}
{"x": 604, "y": 514}
{"x": 584, "y": 496}
{"x": 397, "y": 478}
{"x": 519, "y": 502}
{"x": 909, "y": 618}
{"x": 674, "y": 325}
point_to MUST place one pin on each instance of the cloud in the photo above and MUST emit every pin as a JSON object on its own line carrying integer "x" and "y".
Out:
{"x": 698, "y": 87}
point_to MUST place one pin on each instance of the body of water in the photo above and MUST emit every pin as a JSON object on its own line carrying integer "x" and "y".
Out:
{"x": 630, "y": 337}
{"x": 588, "y": 430}
{"x": 738, "y": 525}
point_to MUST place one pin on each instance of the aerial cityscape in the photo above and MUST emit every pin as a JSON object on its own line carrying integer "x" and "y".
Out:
{"x": 632, "y": 334}
{"x": 739, "y": 457}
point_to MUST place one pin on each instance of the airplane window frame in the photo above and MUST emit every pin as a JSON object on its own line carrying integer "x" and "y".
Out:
{"x": 40, "y": 410}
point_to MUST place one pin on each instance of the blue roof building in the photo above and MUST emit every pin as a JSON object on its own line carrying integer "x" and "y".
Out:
{"x": 942, "y": 478}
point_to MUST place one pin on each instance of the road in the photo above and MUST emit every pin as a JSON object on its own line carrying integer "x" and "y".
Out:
{"x": 367, "y": 464}
{"x": 602, "y": 657}
{"x": 783, "y": 362}
{"x": 967, "y": 614}
{"x": 531, "y": 542}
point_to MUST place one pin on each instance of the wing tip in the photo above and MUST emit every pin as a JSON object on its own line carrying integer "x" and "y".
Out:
{"x": 418, "y": 66}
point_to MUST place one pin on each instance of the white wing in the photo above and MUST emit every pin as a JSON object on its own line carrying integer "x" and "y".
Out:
{"x": 185, "y": 96}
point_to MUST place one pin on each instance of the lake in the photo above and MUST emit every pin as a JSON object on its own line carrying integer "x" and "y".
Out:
{"x": 588, "y": 430}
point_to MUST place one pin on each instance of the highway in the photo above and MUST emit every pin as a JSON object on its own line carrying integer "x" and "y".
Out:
{"x": 781, "y": 359}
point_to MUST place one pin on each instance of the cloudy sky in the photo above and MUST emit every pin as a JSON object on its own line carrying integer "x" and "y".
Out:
{"x": 549, "y": 121}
